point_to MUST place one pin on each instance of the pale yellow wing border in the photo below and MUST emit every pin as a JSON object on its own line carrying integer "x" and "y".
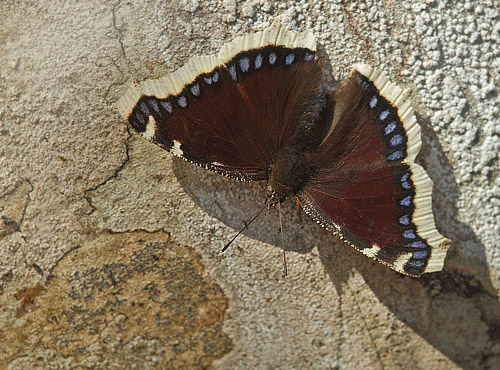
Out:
{"x": 175, "y": 82}
{"x": 423, "y": 217}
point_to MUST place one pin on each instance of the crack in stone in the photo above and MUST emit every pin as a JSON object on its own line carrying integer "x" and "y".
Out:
{"x": 10, "y": 222}
{"x": 88, "y": 192}
{"x": 119, "y": 37}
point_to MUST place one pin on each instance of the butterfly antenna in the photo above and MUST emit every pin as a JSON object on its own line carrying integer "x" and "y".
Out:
{"x": 285, "y": 269}
{"x": 242, "y": 229}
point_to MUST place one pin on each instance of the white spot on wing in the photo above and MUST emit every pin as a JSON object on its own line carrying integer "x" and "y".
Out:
{"x": 258, "y": 61}
{"x": 289, "y": 59}
{"x": 208, "y": 80}
{"x": 217, "y": 164}
{"x": 272, "y": 58}
{"x": 373, "y": 102}
{"x": 336, "y": 226}
{"x": 150, "y": 129}
{"x": 182, "y": 101}
{"x": 371, "y": 252}
{"x": 176, "y": 149}
{"x": 195, "y": 89}
{"x": 215, "y": 77}
{"x": 400, "y": 263}
{"x": 232, "y": 70}
{"x": 244, "y": 64}
{"x": 308, "y": 57}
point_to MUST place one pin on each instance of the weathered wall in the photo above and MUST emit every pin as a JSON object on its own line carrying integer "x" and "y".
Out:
{"x": 109, "y": 246}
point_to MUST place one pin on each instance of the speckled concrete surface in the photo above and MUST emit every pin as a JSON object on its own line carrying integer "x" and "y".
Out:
{"x": 73, "y": 179}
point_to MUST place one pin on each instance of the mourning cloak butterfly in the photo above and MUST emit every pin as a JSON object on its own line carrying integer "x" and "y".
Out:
{"x": 258, "y": 111}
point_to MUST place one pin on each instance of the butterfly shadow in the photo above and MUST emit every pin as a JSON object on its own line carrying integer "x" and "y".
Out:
{"x": 455, "y": 310}
{"x": 235, "y": 203}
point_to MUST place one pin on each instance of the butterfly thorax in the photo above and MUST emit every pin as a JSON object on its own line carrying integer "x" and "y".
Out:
{"x": 287, "y": 175}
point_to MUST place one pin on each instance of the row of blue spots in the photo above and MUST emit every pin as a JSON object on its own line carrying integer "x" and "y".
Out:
{"x": 141, "y": 115}
{"x": 420, "y": 256}
{"x": 396, "y": 139}
{"x": 196, "y": 90}
{"x": 405, "y": 220}
{"x": 244, "y": 65}
{"x": 181, "y": 100}
{"x": 416, "y": 243}
{"x": 405, "y": 184}
{"x": 418, "y": 259}
{"x": 212, "y": 79}
{"x": 245, "y": 62}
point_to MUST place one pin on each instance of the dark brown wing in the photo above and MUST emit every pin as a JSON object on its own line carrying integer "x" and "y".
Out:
{"x": 231, "y": 113}
{"x": 367, "y": 186}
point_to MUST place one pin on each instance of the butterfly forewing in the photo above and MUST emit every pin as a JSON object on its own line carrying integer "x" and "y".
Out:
{"x": 234, "y": 112}
{"x": 208, "y": 123}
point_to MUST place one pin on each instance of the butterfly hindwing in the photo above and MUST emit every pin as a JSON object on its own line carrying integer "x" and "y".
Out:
{"x": 366, "y": 186}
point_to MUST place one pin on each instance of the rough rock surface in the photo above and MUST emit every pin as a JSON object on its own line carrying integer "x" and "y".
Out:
{"x": 109, "y": 246}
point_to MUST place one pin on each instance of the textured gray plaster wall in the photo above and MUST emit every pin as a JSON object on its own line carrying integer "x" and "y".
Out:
{"x": 109, "y": 246}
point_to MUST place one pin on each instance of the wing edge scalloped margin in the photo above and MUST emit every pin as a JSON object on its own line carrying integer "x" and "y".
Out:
{"x": 400, "y": 99}
{"x": 174, "y": 83}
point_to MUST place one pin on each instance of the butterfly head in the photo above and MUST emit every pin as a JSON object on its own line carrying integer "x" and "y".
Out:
{"x": 273, "y": 197}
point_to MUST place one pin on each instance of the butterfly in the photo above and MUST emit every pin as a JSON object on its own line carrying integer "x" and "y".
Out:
{"x": 259, "y": 110}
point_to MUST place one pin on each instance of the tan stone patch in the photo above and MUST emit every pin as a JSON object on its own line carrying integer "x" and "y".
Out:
{"x": 125, "y": 300}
